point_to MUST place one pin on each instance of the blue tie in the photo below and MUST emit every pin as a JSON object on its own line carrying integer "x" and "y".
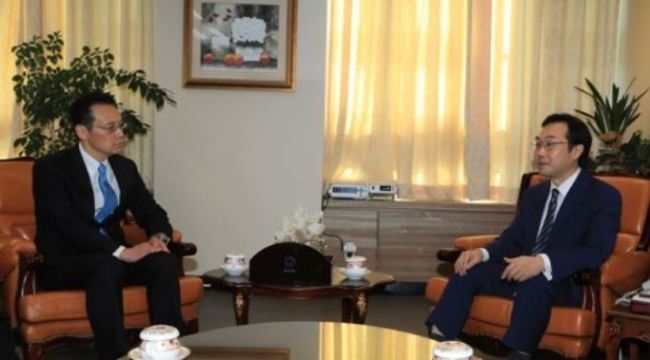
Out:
{"x": 110, "y": 199}
{"x": 542, "y": 239}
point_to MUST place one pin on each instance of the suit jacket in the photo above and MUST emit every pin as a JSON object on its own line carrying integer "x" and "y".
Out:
{"x": 584, "y": 231}
{"x": 65, "y": 210}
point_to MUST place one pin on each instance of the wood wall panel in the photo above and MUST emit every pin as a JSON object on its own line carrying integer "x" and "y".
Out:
{"x": 402, "y": 238}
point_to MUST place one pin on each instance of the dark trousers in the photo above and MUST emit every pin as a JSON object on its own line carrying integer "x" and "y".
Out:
{"x": 532, "y": 302}
{"x": 103, "y": 277}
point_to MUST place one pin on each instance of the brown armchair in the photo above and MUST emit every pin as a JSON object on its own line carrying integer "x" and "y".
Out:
{"x": 571, "y": 332}
{"x": 49, "y": 319}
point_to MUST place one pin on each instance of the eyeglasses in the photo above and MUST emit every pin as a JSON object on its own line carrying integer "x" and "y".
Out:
{"x": 547, "y": 145}
{"x": 113, "y": 127}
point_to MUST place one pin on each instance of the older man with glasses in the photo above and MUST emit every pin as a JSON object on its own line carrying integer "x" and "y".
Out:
{"x": 81, "y": 194}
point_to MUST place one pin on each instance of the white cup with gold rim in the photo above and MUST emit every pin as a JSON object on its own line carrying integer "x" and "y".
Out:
{"x": 160, "y": 342}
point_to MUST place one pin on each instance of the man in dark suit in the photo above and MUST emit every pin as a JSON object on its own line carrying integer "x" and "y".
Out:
{"x": 563, "y": 225}
{"x": 81, "y": 194}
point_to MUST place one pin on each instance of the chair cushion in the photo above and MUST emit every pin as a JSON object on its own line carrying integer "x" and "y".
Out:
{"x": 40, "y": 333}
{"x": 495, "y": 310}
{"x": 71, "y": 304}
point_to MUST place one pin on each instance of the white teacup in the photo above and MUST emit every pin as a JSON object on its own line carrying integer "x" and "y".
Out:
{"x": 234, "y": 260}
{"x": 355, "y": 262}
{"x": 452, "y": 350}
{"x": 160, "y": 342}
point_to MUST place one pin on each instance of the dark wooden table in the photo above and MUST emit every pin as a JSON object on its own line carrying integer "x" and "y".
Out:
{"x": 353, "y": 293}
{"x": 624, "y": 324}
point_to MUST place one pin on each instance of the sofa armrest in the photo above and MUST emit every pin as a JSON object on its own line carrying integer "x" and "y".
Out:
{"x": 448, "y": 254}
{"x": 464, "y": 243}
{"x": 587, "y": 277}
{"x": 473, "y": 241}
{"x": 30, "y": 263}
{"x": 11, "y": 249}
{"x": 7, "y": 260}
{"x": 625, "y": 271}
{"x": 181, "y": 248}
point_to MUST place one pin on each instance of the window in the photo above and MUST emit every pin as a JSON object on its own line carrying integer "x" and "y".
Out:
{"x": 406, "y": 88}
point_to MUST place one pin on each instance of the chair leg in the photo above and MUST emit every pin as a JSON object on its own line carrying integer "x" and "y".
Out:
{"x": 33, "y": 352}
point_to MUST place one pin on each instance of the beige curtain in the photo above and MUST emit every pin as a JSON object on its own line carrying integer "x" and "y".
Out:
{"x": 636, "y": 56}
{"x": 123, "y": 26}
{"x": 401, "y": 83}
{"x": 541, "y": 50}
{"x": 10, "y": 13}
{"x": 396, "y": 95}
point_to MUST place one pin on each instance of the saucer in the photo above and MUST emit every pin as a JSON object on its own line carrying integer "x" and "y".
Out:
{"x": 136, "y": 354}
{"x": 356, "y": 275}
{"x": 234, "y": 270}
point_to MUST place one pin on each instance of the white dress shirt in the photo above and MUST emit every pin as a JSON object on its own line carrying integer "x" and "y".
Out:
{"x": 93, "y": 173}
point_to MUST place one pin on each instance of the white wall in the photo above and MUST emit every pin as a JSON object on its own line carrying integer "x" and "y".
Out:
{"x": 229, "y": 164}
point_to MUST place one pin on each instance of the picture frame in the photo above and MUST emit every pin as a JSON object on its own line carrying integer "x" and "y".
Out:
{"x": 239, "y": 43}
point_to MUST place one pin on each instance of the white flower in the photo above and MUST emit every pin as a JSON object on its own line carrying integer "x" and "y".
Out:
{"x": 288, "y": 230}
{"x": 281, "y": 236}
{"x": 315, "y": 229}
{"x": 287, "y": 226}
{"x": 316, "y": 217}
{"x": 300, "y": 224}
{"x": 247, "y": 29}
{"x": 303, "y": 227}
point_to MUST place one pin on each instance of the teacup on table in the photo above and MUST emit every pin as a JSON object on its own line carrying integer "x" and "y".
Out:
{"x": 234, "y": 260}
{"x": 355, "y": 267}
{"x": 160, "y": 342}
{"x": 452, "y": 350}
{"x": 234, "y": 264}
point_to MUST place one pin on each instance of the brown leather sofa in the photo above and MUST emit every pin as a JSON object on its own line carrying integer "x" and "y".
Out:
{"x": 571, "y": 332}
{"x": 45, "y": 320}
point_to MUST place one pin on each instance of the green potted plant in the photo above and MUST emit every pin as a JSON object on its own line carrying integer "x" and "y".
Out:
{"x": 635, "y": 155}
{"x": 45, "y": 89}
{"x": 609, "y": 120}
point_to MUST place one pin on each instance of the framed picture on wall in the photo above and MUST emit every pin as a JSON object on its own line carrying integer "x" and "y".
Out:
{"x": 239, "y": 43}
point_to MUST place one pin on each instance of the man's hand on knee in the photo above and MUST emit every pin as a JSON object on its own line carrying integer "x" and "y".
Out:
{"x": 158, "y": 244}
{"x": 467, "y": 260}
{"x": 522, "y": 268}
{"x": 135, "y": 253}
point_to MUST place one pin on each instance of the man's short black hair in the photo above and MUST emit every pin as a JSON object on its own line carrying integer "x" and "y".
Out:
{"x": 577, "y": 134}
{"x": 80, "y": 113}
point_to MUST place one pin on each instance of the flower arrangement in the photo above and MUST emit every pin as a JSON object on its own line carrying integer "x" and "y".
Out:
{"x": 247, "y": 31}
{"x": 304, "y": 228}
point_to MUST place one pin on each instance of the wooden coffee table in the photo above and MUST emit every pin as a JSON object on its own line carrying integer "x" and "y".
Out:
{"x": 353, "y": 293}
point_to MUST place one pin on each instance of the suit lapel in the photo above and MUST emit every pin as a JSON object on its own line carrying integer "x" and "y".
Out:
{"x": 119, "y": 176}
{"x": 539, "y": 200}
{"x": 573, "y": 198}
{"x": 79, "y": 174}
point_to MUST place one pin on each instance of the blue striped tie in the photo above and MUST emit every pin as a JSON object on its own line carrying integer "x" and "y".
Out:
{"x": 542, "y": 238}
{"x": 110, "y": 198}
